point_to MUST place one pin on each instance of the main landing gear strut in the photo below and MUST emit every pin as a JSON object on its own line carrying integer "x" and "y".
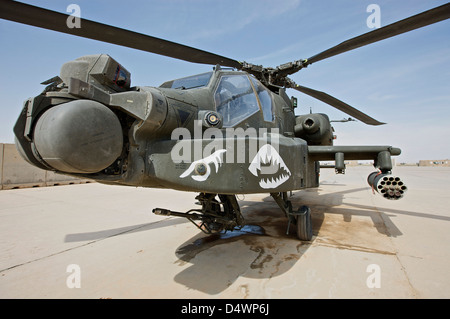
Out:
{"x": 301, "y": 218}
{"x": 222, "y": 213}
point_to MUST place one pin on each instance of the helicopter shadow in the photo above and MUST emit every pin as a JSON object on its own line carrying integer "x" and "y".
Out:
{"x": 263, "y": 249}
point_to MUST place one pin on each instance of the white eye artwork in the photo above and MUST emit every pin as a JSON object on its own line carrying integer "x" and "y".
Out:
{"x": 269, "y": 162}
{"x": 201, "y": 168}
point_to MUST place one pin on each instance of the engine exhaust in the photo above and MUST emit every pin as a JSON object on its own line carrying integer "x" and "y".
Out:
{"x": 389, "y": 186}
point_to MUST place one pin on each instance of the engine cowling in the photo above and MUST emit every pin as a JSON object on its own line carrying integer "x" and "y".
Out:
{"x": 314, "y": 128}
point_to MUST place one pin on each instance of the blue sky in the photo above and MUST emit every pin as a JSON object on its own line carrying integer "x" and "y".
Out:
{"x": 404, "y": 81}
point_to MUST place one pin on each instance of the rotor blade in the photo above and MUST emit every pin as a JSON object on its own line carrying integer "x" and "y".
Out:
{"x": 344, "y": 107}
{"x": 52, "y": 20}
{"x": 414, "y": 22}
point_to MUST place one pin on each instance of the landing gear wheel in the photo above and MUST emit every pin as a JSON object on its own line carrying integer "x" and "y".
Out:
{"x": 304, "y": 225}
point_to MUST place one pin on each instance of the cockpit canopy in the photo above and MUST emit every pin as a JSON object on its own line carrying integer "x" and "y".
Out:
{"x": 237, "y": 95}
{"x": 189, "y": 82}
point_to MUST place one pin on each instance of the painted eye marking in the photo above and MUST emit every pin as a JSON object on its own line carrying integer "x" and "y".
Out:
{"x": 201, "y": 168}
{"x": 269, "y": 163}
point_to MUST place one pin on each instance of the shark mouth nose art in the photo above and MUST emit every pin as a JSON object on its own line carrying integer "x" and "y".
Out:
{"x": 269, "y": 167}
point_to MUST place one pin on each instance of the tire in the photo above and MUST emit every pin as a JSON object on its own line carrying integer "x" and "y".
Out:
{"x": 304, "y": 225}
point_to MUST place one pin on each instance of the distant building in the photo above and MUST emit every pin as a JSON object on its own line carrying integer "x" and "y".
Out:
{"x": 445, "y": 163}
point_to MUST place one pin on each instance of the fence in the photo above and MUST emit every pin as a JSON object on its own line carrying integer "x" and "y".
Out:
{"x": 15, "y": 172}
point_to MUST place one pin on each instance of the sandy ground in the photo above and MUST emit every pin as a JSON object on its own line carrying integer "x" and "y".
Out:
{"x": 98, "y": 241}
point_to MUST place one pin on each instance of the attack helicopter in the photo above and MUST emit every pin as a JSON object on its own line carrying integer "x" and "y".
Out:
{"x": 229, "y": 131}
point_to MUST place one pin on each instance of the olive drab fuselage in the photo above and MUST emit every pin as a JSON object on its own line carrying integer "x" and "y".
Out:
{"x": 218, "y": 132}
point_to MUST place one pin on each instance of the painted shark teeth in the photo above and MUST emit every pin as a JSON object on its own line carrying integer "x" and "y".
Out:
{"x": 268, "y": 162}
{"x": 273, "y": 182}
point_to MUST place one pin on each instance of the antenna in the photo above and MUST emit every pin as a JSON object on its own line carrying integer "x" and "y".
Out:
{"x": 344, "y": 120}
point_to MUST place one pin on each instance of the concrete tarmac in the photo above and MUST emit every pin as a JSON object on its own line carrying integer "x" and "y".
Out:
{"x": 98, "y": 241}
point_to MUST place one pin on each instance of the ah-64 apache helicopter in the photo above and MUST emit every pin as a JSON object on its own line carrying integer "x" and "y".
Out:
{"x": 229, "y": 131}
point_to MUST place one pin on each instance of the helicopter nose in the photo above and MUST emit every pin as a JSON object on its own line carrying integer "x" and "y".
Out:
{"x": 80, "y": 136}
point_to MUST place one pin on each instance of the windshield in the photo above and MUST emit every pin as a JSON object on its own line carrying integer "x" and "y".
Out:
{"x": 189, "y": 82}
{"x": 264, "y": 99}
{"x": 235, "y": 99}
